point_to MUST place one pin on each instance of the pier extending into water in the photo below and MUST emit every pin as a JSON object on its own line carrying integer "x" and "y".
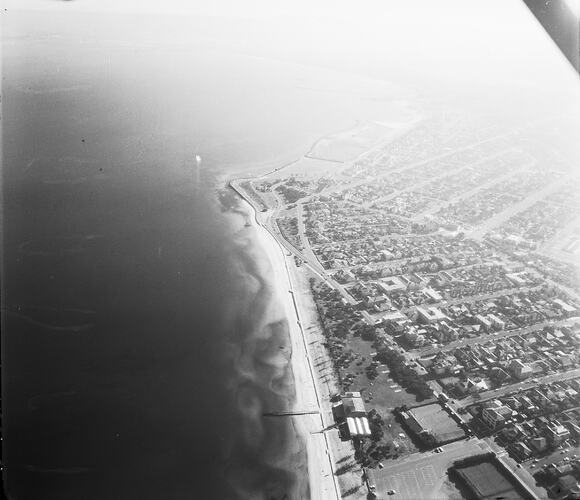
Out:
{"x": 290, "y": 413}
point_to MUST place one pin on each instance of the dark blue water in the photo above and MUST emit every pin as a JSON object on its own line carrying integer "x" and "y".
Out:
{"x": 137, "y": 323}
{"x": 141, "y": 342}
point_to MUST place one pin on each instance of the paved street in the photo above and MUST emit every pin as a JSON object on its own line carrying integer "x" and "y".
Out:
{"x": 482, "y": 339}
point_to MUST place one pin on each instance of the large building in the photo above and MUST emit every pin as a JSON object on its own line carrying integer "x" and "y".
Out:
{"x": 494, "y": 416}
{"x": 430, "y": 315}
{"x": 352, "y": 409}
{"x": 520, "y": 370}
{"x": 432, "y": 424}
{"x": 556, "y": 433}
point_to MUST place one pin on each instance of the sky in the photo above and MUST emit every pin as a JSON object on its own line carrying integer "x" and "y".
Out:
{"x": 472, "y": 39}
{"x": 446, "y": 23}
{"x": 364, "y": 9}
{"x": 214, "y": 7}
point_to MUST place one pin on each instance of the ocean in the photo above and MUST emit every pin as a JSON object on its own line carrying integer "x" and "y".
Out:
{"x": 141, "y": 341}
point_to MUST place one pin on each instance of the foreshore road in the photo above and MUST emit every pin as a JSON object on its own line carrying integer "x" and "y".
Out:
{"x": 267, "y": 221}
{"x": 319, "y": 472}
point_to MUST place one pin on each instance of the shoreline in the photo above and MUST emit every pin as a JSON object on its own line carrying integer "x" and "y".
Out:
{"x": 331, "y": 464}
{"x": 307, "y": 397}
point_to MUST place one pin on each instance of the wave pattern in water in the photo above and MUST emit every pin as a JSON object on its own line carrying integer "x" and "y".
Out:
{"x": 267, "y": 457}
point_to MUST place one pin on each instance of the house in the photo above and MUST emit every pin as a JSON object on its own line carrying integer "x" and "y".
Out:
{"x": 472, "y": 386}
{"x": 344, "y": 276}
{"x": 540, "y": 367}
{"x": 520, "y": 450}
{"x": 566, "y": 362}
{"x": 559, "y": 469}
{"x": 574, "y": 429}
{"x": 516, "y": 279}
{"x": 448, "y": 383}
{"x": 444, "y": 363}
{"x": 499, "y": 375}
{"x": 414, "y": 338}
{"x": 540, "y": 398}
{"x": 445, "y": 333}
{"x": 395, "y": 322}
{"x": 416, "y": 278}
{"x": 379, "y": 303}
{"x": 364, "y": 290}
{"x": 512, "y": 432}
{"x": 512, "y": 402}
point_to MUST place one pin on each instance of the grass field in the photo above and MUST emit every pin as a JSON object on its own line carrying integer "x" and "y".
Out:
{"x": 382, "y": 394}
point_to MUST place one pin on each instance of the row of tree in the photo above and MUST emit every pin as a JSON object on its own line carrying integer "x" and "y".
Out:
{"x": 404, "y": 374}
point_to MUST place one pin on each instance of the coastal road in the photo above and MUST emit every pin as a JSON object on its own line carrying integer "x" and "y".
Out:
{"x": 318, "y": 420}
{"x": 267, "y": 220}
{"x": 323, "y": 481}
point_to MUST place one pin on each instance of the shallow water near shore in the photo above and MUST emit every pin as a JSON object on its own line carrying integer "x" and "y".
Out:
{"x": 140, "y": 366}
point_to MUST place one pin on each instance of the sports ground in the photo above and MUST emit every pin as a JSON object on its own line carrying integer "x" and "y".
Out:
{"x": 422, "y": 475}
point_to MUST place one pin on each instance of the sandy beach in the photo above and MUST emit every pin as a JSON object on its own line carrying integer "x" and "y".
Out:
{"x": 309, "y": 426}
{"x": 312, "y": 372}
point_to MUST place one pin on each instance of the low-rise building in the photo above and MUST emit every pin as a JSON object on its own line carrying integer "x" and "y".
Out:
{"x": 538, "y": 444}
{"x": 432, "y": 295}
{"x": 472, "y": 386}
{"x": 392, "y": 284}
{"x": 566, "y": 486}
{"x": 556, "y": 433}
{"x": 520, "y": 370}
{"x": 484, "y": 322}
{"x": 352, "y": 410}
{"x": 430, "y": 315}
{"x": 520, "y": 450}
{"x": 495, "y": 416}
{"x": 566, "y": 308}
{"x": 496, "y": 322}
